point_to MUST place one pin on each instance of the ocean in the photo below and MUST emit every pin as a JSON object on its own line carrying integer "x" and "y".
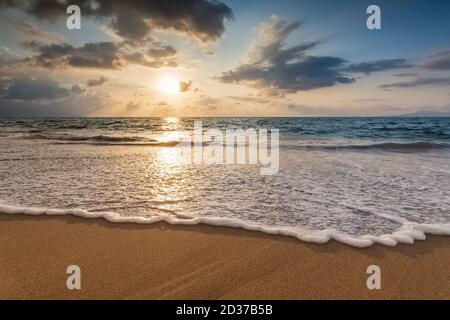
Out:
{"x": 359, "y": 181}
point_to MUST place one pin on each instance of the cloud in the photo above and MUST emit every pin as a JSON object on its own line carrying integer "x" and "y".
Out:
{"x": 418, "y": 82}
{"x": 209, "y": 103}
{"x": 185, "y": 86}
{"x": 100, "y": 55}
{"x": 162, "y": 52}
{"x": 270, "y": 66}
{"x": 406, "y": 74}
{"x": 310, "y": 73}
{"x": 33, "y": 31}
{"x": 438, "y": 62}
{"x": 134, "y": 19}
{"x": 368, "y": 100}
{"x": 249, "y": 99}
{"x": 366, "y": 111}
{"x": 7, "y": 54}
{"x": 70, "y": 106}
{"x": 133, "y": 106}
{"x": 377, "y": 66}
{"x": 268, "y": 46}
{"x": 96, "y": 82}
{"x": 40, "y": 88}
{"x": 141, "y": 58}
{"x": 276, "y": 69}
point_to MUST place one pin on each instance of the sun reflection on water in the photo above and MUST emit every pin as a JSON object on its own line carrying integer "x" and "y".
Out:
{"x": 169, "y": 157}
{"x": 170, "y": 123}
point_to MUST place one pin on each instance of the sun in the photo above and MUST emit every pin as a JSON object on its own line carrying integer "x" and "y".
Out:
{"x": 169, "y": 85}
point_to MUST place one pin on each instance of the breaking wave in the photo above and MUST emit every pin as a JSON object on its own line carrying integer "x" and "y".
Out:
{"x": 101, "y": 140}
{"x": 408, "y": 233}
{"x": 388, "y": 146}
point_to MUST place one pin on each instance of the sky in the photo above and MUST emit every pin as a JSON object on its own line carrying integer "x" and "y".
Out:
{"x": 192, "y": 58}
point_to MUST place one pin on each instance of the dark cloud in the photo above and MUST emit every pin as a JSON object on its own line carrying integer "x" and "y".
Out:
{"x": 377, "y": 66}
{"x": 95, "y": 55}
{"x": 96, "y": 82}
{"x": 39, "y": 88}
{"x": 438, "y": 62}
{"x": 134, "y": 19}
{"x": 185, "y": 86}
{"x": 163, "y": 52}
{"x": 50, "y": 56}
{"x": 418, "y": 82}
{"x": 276, "y": 69}
{"x": 91, "y": 55}
{"x": 272, "y": 67}
{"x": 10, "y": 3}
{"x": 71, "y": 106}
{"x": 5, "y": 83}
{"x": 309, "y": 73}
{"x": 101, "y": 55}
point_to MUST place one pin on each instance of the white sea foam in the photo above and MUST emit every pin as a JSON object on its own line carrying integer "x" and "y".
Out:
{"x": 407, "y": 234}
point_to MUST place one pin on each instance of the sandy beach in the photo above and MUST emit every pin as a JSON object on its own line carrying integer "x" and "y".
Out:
{"x": 127, "y": 261}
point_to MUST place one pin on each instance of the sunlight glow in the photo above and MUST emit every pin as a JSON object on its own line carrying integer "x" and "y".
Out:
{"x": 169, "y": 86}
{"x": 170, "y": 124}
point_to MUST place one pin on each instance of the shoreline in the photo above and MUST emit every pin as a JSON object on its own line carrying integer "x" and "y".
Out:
{"x": 163, "y": 261}
{"x": 408, "y": 233}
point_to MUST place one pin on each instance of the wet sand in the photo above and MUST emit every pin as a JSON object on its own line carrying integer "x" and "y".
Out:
{"x": 160, "y": 261}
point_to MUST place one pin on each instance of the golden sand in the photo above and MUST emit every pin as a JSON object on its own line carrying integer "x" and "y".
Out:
{"x": 128, "y": 261}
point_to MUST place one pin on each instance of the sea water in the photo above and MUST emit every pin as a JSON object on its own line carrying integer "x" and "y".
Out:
{"x": 355, "y": 180}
